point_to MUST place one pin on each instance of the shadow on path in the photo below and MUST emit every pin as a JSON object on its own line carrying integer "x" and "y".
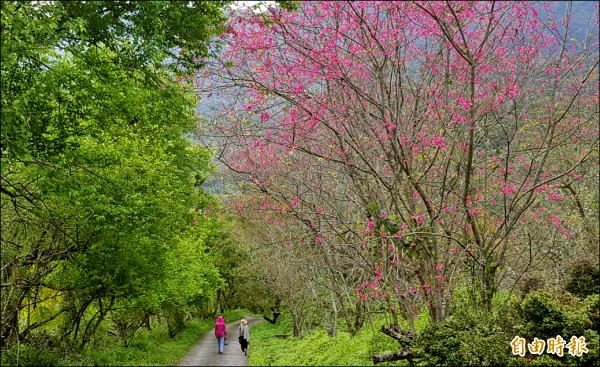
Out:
{"x": 204, "y": 353}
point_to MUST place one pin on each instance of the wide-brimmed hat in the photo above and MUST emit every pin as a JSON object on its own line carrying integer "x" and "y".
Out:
{"x": 244, "y": 322}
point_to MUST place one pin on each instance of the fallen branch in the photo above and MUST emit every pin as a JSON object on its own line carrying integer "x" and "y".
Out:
{"x": 396, "y": 356}
{"x": 404, "y": 337}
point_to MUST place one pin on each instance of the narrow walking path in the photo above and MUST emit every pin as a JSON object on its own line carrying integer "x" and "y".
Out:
{"x": 204, "y": 353}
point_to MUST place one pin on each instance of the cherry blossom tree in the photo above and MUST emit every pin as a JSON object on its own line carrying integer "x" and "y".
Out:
{"x": 415, "y": 139}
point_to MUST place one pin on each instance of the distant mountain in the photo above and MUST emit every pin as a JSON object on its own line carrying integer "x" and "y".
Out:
{"x": 582, "y": 13}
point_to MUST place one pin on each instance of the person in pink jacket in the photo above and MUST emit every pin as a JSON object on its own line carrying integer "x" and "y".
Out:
{"x": 220, "y": 333}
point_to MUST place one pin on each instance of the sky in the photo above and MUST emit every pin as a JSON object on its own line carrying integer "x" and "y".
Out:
{"x": 245, "y": 3}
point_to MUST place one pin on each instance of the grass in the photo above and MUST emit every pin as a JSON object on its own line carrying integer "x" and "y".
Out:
{"x": 269, "y": 348}
{"x": 148, "y": 348}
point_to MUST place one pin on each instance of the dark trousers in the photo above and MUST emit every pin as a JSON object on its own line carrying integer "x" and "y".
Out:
{"x": 243, "y": 344}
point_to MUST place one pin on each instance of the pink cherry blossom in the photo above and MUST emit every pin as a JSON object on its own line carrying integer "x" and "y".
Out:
{"x": 555, "y": 196}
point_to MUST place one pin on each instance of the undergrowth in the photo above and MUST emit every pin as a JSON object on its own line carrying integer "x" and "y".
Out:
{"x": 272, "y": 345}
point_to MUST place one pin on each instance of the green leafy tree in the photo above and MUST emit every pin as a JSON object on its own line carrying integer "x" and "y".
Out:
{"x": 99, "y": 184}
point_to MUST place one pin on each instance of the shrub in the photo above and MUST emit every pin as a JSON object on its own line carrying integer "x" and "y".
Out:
{"x": 592, "y": 304}
{"x": 468, "y": 337}
{"x": 25, "y": 354}
{"x": 542, "y": 315}
{"x": 585, "y": 280}
{"x": 546, "y": 315}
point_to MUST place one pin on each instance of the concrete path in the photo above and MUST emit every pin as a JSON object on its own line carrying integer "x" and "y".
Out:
{"x": 204, "y": 353}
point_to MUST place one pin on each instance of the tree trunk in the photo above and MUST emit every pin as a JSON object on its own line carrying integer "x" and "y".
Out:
{"x": 334, "y": 309}
{"x": 10, "y": 328}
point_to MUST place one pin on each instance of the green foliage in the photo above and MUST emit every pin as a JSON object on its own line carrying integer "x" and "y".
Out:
{"x": 593, "y": 344}
{"x": 24, "y": 354}
{"x": 468, "y": 337}
{"x": 592, "y": 304}
{"x": 127, "y": 321}
{"x": 471, "y": 336}
{"x": 139, "y": 32}
{"x": 289, "y": 5}
{"x": 273, "y": 345}
{"x": 542, "y": 314}
{"x": 100, "y": 187}
{"x": 546, "y": 315}
{"x": 372, "y": 207}
{"x": 587, "y": 359}
{"x": 60, "y": 60}
{"x": 535, "y": 360}
{"x": 585, "y": 280}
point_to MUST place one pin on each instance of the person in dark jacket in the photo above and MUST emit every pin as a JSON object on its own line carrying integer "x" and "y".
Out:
{"x": 220, "y": 333}
{"x": 244, "y": 336}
